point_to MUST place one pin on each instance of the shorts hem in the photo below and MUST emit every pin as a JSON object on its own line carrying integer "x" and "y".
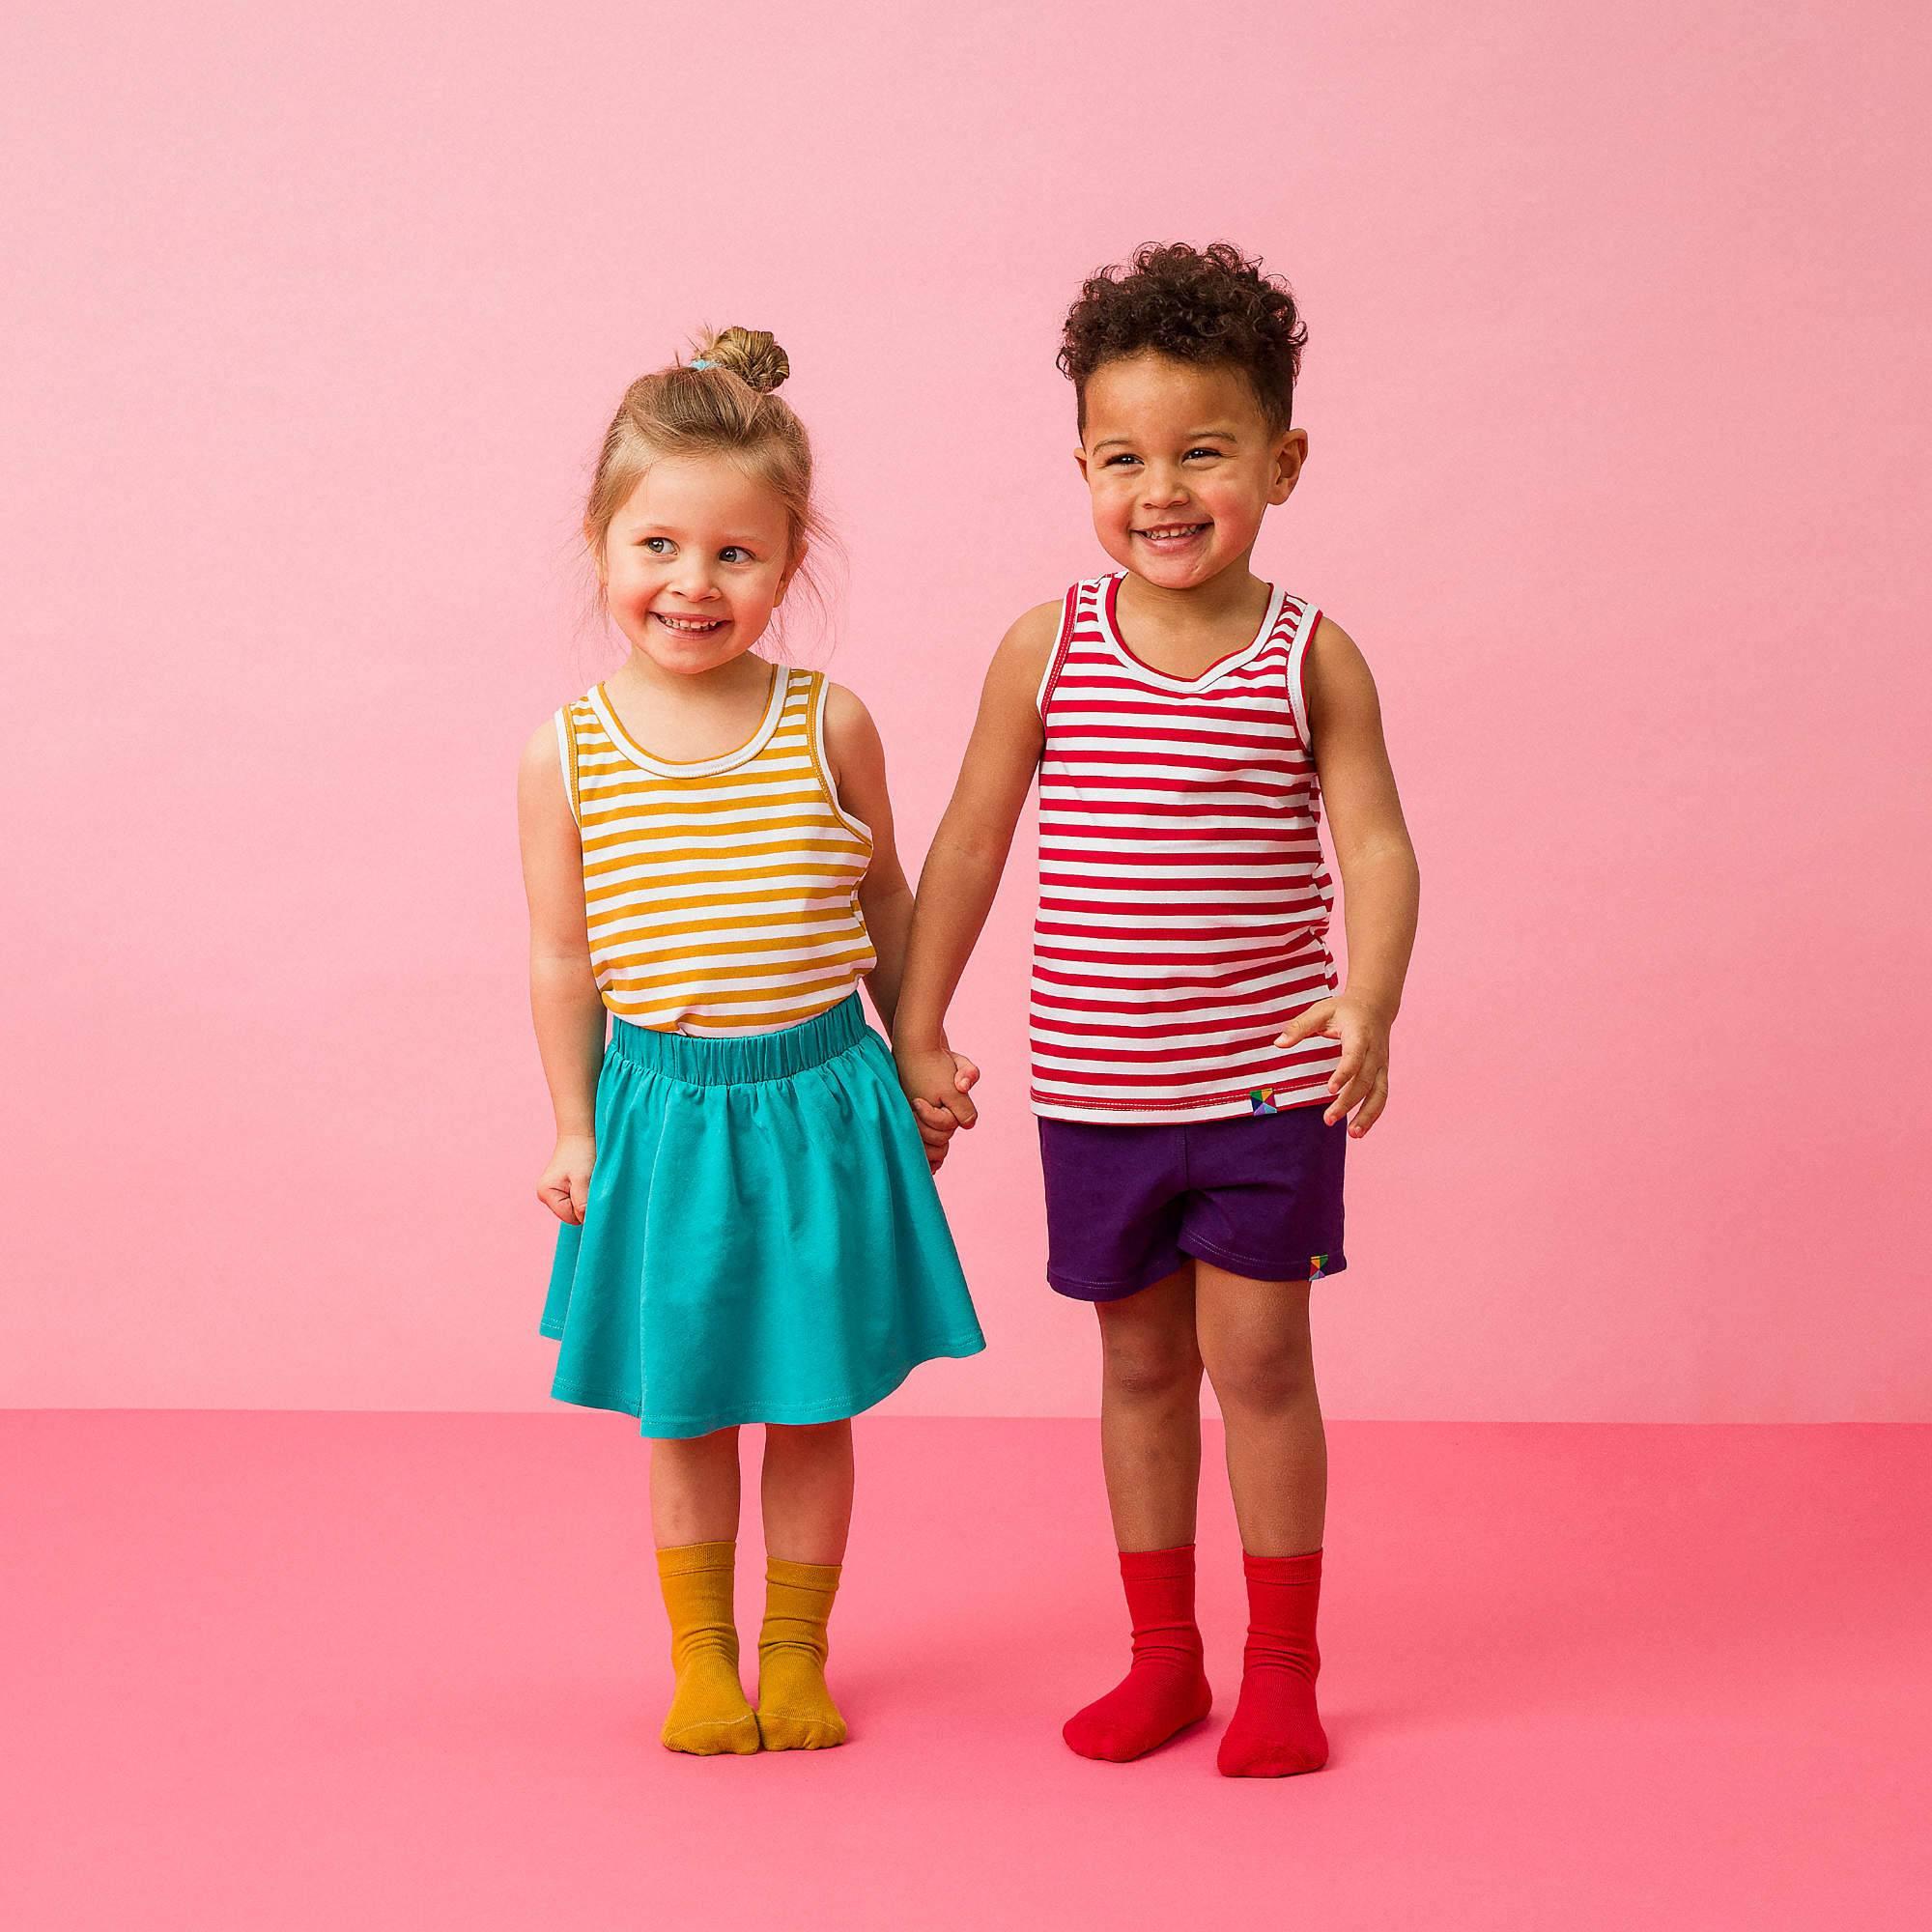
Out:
{"x": 790, "y": 1414}
{"x": 1108, "y": 1291}
{"x": 1245, "y": 1266}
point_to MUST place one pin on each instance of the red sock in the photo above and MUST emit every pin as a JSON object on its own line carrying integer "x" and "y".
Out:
{"x": 1164, "y": 1690}
{"x": 1277, "y": 1729}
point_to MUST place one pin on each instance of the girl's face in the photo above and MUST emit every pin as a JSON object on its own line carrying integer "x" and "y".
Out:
{"x": 696, "y": 561}
{"x": 1182, "y": 466}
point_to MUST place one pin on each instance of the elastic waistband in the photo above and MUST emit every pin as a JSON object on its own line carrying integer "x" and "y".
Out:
{"x": 744, "y": 1058}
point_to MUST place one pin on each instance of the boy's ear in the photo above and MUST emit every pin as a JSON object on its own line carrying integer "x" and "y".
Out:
{"x": 1290, "y": 454}
{"x": 1080, "y": 457}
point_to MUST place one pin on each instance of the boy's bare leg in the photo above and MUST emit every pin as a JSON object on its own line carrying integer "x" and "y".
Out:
{"x": 1255, "y": 1342}
{"x": 1151, "y": 1446}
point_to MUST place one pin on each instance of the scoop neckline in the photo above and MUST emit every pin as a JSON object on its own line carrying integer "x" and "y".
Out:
{"x": 693, "y": 768}
{"x": 1218, "y": 670}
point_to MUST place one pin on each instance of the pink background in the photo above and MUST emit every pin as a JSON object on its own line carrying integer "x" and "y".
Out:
{"x": 1617, "y": 396}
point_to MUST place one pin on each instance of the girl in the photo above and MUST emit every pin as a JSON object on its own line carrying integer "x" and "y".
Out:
{"x": 750, "y": 1228}
{"x": 1195, "y": 1063}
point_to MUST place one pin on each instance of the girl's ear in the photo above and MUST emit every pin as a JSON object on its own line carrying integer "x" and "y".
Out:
{"x": 1290, "y": 454}
{"x": 790, "y": 571}
{"x": 597, "y": 558}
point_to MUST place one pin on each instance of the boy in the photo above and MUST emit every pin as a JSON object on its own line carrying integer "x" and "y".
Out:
{"x": 1197, "y": 1069}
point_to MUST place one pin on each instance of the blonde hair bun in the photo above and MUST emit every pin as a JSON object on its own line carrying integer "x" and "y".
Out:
{"x": 751, "y": 354}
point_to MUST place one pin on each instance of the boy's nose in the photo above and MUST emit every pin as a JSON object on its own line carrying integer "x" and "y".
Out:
{"x": 1163, "y": 489}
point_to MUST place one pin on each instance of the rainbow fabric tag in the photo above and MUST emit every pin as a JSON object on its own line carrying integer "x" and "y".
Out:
{"x": 1261, "y": 1099}
{"x": 1315, "y": 1263}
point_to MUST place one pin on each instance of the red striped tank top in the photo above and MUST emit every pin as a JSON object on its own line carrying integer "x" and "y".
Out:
{"x": 1184, "y": 902}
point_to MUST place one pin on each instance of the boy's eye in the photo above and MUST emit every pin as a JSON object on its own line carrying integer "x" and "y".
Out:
{"x": 1113, "y": 461}
{"x": 1202, "y": 450}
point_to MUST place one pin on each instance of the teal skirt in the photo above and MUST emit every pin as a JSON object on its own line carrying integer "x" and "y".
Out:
{"x": 762, "y": 1241}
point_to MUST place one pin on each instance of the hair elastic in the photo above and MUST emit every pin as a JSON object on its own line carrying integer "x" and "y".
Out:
{"x": 701, "y": 362}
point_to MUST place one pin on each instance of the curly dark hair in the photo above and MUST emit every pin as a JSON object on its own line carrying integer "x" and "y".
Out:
{"x": 1211, "y": 305}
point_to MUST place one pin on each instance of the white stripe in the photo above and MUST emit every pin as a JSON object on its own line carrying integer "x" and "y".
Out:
{"x": 756, "y": 842}
{"x": 1070, "y": 1044}
{"x": 712, "y": 965}
{"x": 810, "y": 919}
{"x": 1124, "y": 995}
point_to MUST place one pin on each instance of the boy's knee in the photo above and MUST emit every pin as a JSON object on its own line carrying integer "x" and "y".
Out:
{"x": 1264, "y": 1380}
{"x": 1149, "y": 1366}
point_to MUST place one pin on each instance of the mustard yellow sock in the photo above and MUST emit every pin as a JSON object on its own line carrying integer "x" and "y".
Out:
{"x": 795, "y": 1709}
{"x": 708, "y": 1713}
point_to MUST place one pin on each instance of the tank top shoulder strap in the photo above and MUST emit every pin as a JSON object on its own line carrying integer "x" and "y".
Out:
{"x": 1298, "y": 619}
{"x": 810, "y": 695}
{"x": 1079, "y": 613}
{"x": 577, "y": 732}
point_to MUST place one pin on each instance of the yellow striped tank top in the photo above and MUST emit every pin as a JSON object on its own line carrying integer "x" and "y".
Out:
{"x": 721, "y": 896}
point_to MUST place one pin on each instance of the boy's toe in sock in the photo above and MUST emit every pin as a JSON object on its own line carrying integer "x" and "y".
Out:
{"x": 1165, "y": 1688}
{"x": 795, "y": 1709}
{"x": 709, "y": 1715}
{"x": 1277, "y": 1730}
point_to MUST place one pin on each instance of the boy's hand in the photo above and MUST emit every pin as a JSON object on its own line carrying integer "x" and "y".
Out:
{"x": 1360, "y": 1083}
{"x": 564, "y": 1185}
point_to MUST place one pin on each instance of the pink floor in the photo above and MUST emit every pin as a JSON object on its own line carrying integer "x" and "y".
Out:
{"x": 327, "y": 1670}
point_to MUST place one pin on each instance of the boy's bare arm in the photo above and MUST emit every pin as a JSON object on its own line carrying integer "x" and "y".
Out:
{"x": 1380, "y": 882}
{"x": 962, "y": 870}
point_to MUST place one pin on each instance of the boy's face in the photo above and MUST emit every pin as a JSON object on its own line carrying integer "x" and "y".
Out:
{"x": 1182, "y": 466}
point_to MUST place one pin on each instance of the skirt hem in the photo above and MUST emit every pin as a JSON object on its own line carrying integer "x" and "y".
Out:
{"x": 790, "y": 1414}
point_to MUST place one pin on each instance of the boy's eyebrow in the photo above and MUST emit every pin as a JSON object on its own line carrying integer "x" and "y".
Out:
{"x": 1220, "y": 431}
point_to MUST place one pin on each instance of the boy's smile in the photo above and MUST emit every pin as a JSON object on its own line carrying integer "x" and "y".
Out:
{"x": 1182, "y": 466}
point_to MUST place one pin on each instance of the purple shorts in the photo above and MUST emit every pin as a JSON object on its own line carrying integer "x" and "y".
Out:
{"x": 1258, "y": 1195}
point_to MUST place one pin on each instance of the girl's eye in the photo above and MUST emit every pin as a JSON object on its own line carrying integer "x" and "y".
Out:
{"x": 651, "y": 544}
{"x": 734, "y": 553}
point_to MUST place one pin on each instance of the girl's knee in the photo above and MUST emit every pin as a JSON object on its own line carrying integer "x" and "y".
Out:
{"x": 807, "y": 1436}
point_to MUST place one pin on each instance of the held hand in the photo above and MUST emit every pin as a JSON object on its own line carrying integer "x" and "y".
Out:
{"x": 564, "y": 1185}
{"x": 938, "y": 1124}
{"x": 941, "y": 1079}
{"x": 1360, "y": 1083}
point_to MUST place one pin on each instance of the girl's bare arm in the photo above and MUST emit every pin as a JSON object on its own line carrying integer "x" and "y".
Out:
{"x": 856, "y": 764}
{"x": 564, "y": 1001}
